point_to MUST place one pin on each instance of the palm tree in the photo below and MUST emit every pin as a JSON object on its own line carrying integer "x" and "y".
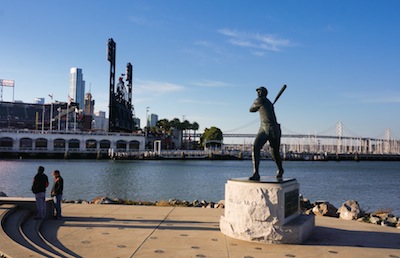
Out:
{"x": 164, "y": 125}
{"x": 175, "y": 123}
{"x": 195, "y": 127}
{"x": 185, "y": 126}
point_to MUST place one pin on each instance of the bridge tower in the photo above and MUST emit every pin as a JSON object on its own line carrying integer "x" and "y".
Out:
{"x": 339, "y": 134}
{"x": 387, "y": 147}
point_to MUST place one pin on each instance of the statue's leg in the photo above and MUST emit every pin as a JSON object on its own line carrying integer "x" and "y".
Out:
{"x": 258, "y": 143}
{"x": 256, "y": 163}
{"x": 276, "y": 156}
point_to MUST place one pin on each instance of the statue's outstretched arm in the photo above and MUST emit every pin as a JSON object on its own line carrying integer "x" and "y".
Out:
{"x": 256, "y": 105}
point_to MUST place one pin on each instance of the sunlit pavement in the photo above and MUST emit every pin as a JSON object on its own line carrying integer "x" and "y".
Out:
{"x": 89, "y": 230}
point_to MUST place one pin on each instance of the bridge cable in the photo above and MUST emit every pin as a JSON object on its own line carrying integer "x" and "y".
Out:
{"x": 243, "y": 126}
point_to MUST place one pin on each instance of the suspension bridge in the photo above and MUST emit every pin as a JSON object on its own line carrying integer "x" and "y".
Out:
{"x": 344, "y": 144}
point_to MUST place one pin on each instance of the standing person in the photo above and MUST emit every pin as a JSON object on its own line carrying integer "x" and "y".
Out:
{"x": 57, "y": 192}
{"x": 269, "y": 130}
{"x": 40, "y": 183}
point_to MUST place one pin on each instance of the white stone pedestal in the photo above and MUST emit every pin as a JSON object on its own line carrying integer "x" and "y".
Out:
{"x": 265, "y": 211}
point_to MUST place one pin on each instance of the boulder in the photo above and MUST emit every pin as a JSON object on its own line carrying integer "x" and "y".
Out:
{"x": 97, "y": 200}
{"x": 305, "y": 204}
{"x": 309, "y": 212}
{"x": 196, "y": 204}
{"x": 220, "y": 204}
{"x": 107, "y": 200}
{"x": 210, "y": 205}
{"x": 325, "y": 209}
{"x": 2, "y": 194}
{"x": 350, "y": 210}
{"x": 383, "y": 215}
{"x": 103, "y": 200}
{"x": 387, "y": 224}
{"x": 375, "y": 220}
{"x": 387, "y": 219}
{"x": 173, "y": 202}
{"x": 392, "y": 219}
{"x": 118, "y": 201}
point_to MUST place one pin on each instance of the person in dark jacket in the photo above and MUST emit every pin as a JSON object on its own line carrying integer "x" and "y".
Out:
{"x": 57, "y": 191}
{"x": 40, "y": 183}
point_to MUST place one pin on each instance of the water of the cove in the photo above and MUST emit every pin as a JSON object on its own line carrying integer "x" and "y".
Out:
{"x": 374, "y": 184}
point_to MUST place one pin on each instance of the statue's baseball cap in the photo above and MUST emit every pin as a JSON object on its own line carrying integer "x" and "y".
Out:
{"x": 262, "y": 88}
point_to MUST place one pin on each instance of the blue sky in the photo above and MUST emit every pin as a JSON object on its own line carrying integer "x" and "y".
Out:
{"x": 203, "y": 60}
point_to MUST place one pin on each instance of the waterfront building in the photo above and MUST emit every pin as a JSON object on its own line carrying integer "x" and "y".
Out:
{"x": 25, "y": 132}
{"x": 77, "y": 87}
{"x": 67, "y": 144}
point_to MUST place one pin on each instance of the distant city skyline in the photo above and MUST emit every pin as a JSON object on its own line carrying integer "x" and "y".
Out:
{"x": 204, "y": 60}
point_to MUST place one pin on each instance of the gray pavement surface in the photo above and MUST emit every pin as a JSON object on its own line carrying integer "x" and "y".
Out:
{"x": 89, "y": 230}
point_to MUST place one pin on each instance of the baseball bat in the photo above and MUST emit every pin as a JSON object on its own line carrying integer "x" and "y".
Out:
{"x": 279, "y": 94}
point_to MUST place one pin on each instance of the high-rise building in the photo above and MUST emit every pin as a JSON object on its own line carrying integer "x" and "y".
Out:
{"x": 100, "y": 122}
{"x": 136, "y": 122}
{"x": 152, "y": 120}
{"x": 39, "y": 100}
{"x": 77, "y": 87}
{"x": 89, "y": 104}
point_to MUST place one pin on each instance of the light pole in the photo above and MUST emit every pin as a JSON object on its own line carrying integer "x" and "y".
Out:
{"x": 59, "y": 117}
{"x": 43, "y": 119}
{"x": 184, "y": 131}
{"x": 67, "y": 115}
{"x": 66, "y": 118}
{"x": 51, "y": 112}
{"x": 147, "y": 127}
{"x": 76, "y": 111}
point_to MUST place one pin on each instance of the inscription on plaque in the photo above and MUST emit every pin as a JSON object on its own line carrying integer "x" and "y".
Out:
{"x": 291, "y": 202}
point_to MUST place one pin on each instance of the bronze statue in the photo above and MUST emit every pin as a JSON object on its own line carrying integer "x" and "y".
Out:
{"x": 269, "y": 130}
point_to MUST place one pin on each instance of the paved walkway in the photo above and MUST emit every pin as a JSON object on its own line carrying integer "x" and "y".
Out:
{"x": 89, "y": 230}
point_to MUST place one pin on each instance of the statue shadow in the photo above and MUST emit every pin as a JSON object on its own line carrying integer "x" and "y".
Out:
{"x": 325, "y": 236}
{"x": 50, "y": 228}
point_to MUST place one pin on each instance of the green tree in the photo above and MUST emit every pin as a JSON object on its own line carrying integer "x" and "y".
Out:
{"x": 176, "y": 123}
{"x": 212, "y": 134}
{"x": 164, "y": 125}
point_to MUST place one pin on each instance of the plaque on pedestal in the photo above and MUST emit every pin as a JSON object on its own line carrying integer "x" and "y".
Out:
{"x": 265, "y": 211}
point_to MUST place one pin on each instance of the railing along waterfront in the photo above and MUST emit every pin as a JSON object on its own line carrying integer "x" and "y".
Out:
{"x": 300, "y": 143}
{"x": 317, "y": 145}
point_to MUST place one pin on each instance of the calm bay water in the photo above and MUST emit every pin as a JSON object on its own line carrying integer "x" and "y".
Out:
{"x": 375, "y": 185}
